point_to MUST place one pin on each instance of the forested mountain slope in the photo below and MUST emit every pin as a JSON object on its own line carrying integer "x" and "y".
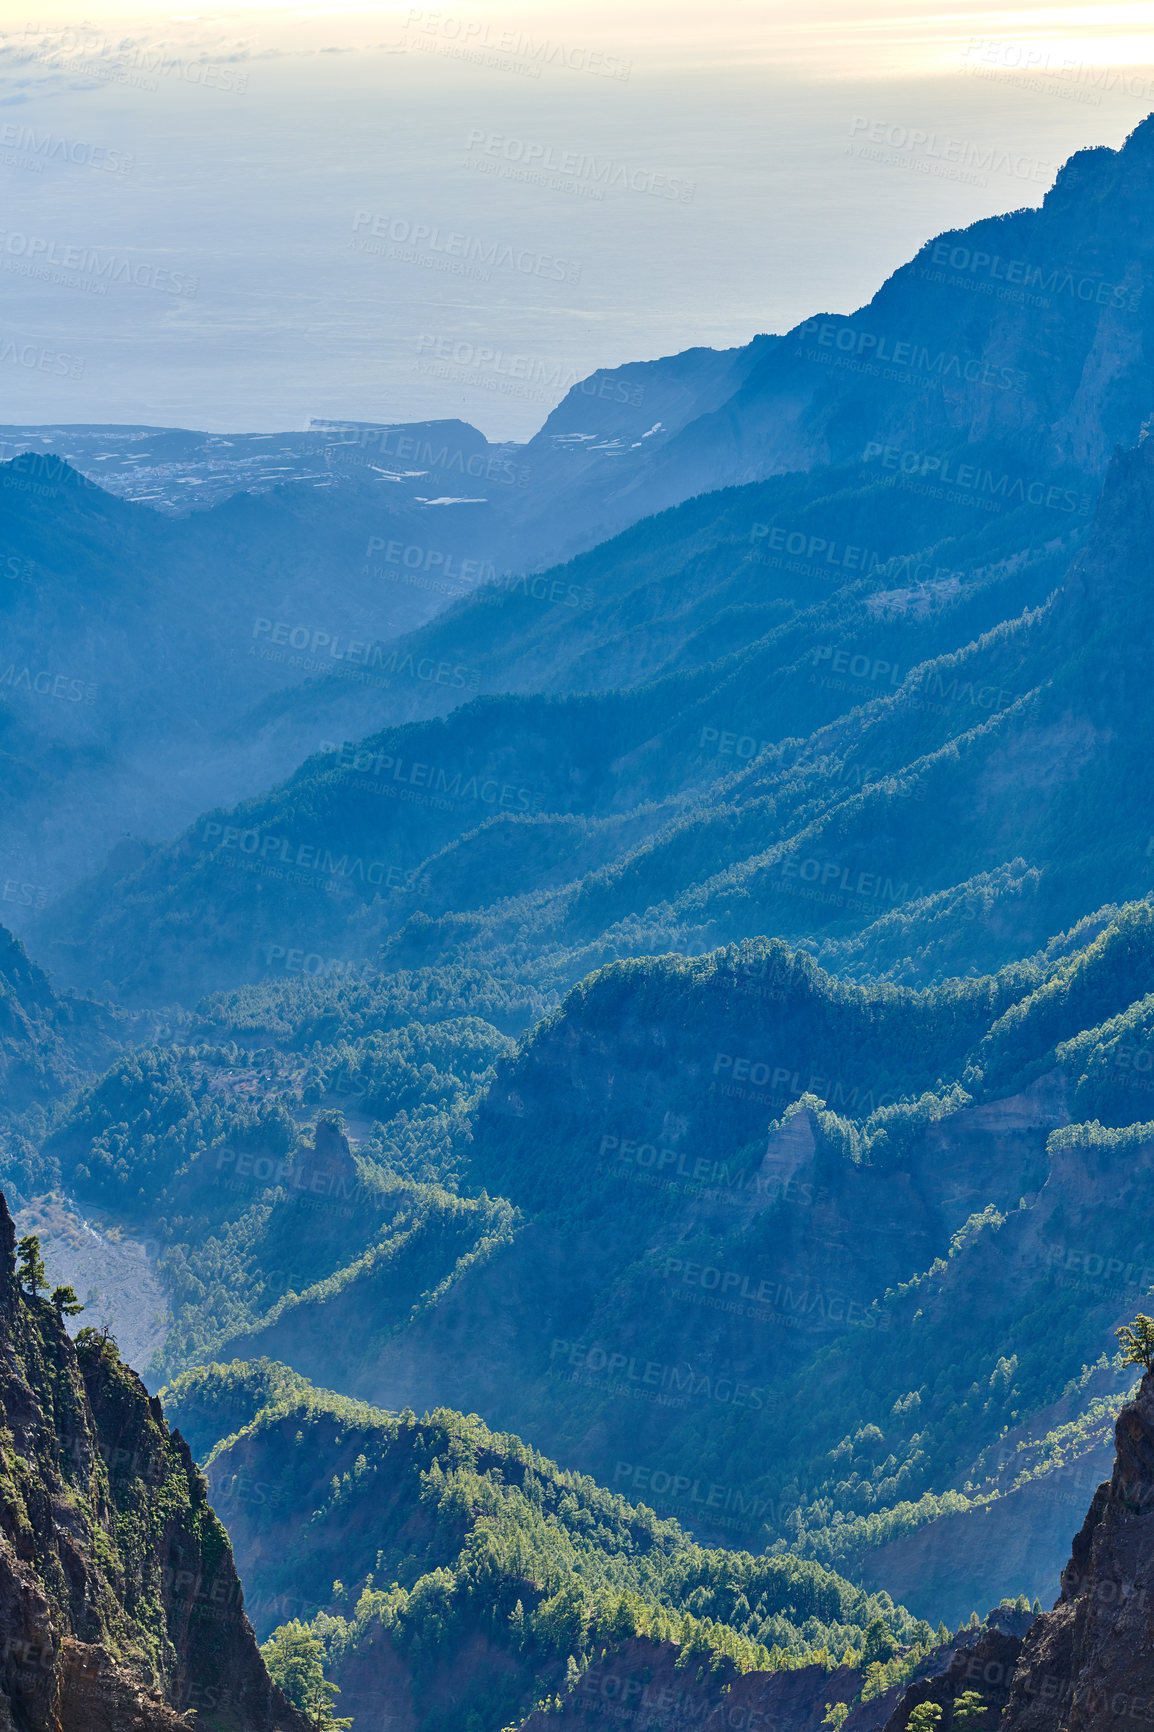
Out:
{"x": 701, "y": 1023}
{"x": 640, "y": 1233}
{"x": 949, "y": 439}
{"x": 119, "y": 1601}
{"x": 982, "y": 804}
{"x": 460, "y": 1577}
{"x": 46, "y": 1040}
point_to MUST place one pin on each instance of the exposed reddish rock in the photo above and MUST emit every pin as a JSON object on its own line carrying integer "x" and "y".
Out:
{"x": 1088, "y": 1666}
{"x": 328, "y": 1168}
{"x": 983, "y": 1667}
{"x": 120, "y": 1607}
{"x": 641, "y": 1685}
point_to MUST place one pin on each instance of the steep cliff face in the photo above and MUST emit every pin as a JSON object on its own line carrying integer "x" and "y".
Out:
{"x": 1088, "y": 1665}
{"x": 965, "y": 1559}
{"x": 647, "y": 1686}
{"x": 46, "y": 1041}
{"x": 120, "y": 1607}
{"x": 650, "y": 1686}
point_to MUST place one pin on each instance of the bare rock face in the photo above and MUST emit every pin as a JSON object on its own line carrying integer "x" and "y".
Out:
{"x": 651, "y": 1686}
{"x": 328, "y": 1169}
{"x": 985, "y": 1667}
{"x": 97, "y": 1695}
{"x": 120, "y": 1607}
{"x": 646, "y": 1686}
{"x": 1088, "y": 1666}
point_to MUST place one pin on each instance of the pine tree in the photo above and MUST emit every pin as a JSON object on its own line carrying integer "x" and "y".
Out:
{"x": 880, "y": 1643}
{"x": 294, "y": 1657}
{"x": 924, "y": 1718}
{"x": 66, "y": 1302}
{"x": 1137, "y": 1341}
{"x": 31, "y": 1272}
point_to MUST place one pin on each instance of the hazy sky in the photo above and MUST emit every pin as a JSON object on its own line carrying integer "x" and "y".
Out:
{"x": 240, "y": 219}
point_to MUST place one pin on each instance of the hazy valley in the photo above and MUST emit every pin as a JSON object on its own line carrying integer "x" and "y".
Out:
{"x": 583, "y": 1012}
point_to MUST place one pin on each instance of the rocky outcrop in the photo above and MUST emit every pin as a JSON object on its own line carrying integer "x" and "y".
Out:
{"x": 1015, "y": 1544}
{"x": 99, "y": 1696}
{"x": 1088, "y": 1666}
{"x": 120, "y": 1607}
{"x": 648, "y": 1686}
{"x": 328, "y": 1169}
{"x": 983, "y": 1667}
